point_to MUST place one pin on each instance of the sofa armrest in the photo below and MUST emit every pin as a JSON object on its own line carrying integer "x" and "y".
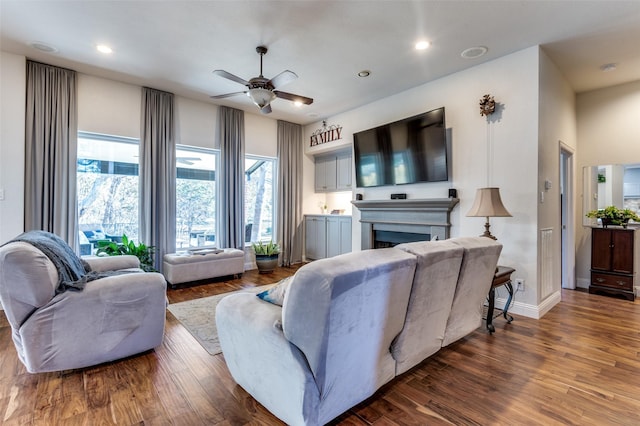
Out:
{"x": 263, "y": 361}
{"x": 112, "y": 263}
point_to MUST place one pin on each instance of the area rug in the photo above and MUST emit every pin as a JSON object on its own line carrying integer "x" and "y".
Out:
{"x": 198, "y": 316}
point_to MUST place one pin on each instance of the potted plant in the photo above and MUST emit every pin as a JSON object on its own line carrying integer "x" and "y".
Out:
{"x": 612, "y": 215}
{"x": 266, "y": 256}
{"x": 143, "y": 252}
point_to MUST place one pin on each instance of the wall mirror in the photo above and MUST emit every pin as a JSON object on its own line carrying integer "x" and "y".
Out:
{"x": 610, "y": 184}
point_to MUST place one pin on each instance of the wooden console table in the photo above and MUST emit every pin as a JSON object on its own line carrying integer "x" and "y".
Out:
{"x": 502, "y": 277}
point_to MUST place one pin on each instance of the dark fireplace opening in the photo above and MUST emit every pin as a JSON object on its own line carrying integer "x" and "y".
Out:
{"x": 384, "y": 239}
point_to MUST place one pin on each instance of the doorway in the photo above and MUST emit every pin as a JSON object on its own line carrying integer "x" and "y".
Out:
{"x": 567, "y": 216}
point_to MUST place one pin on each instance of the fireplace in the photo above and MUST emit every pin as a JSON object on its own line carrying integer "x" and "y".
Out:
{"x": 384, "y": 239}
{"x": 385, "y": 223}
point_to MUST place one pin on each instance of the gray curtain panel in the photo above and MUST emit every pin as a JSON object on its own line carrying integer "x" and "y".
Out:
{"x": 231, "y": 205}
{"x": 51, "y": 147}
{"x": 158, "y": 173}
{"x": 290, "y": 192}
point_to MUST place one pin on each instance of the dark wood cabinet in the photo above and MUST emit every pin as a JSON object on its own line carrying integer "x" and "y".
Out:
{"x": 613, "y": 261}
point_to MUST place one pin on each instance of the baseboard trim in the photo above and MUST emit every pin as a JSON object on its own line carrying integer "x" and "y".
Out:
{"x": 532, "y": 311}
{"x": 583, "y": 282}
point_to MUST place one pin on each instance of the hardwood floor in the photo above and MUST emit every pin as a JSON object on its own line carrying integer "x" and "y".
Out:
{"x": 580, "y": 364}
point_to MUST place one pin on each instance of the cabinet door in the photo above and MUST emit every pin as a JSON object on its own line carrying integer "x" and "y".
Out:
{"x": 325, "y": 174}
{"x": 345, "y": 235}
{"x": 338, "y": 235}
{"x": 333, "y": 236}
{"x": 622, "y": 254}
{"x": 601, "y": 249}
{"x": 320, "y": 175}
{"x": 315, "y": 237}
{"x": 344, "y": 172}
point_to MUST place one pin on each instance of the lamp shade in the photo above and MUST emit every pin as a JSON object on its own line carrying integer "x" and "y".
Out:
{"x": 261, "y": 97}
{"x": 488, "y": 204}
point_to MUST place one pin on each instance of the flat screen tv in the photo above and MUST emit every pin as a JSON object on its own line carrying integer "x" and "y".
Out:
{"x": 411, "y": 150}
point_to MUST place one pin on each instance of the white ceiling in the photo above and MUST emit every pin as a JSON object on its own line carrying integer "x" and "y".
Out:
{"x": 174, "y": 45}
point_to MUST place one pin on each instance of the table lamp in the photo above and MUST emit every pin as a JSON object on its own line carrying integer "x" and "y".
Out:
{"x": 488, "y": 204}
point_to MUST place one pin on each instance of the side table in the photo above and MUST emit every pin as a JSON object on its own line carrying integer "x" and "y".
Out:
{"x": 502, "y": 277}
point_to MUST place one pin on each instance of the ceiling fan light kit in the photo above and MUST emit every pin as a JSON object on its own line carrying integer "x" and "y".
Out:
{"x": 261, "y": 90}
{"x": 261, "y": 97}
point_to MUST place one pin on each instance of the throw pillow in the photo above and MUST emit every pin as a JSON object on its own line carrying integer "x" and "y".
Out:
{"x": 276, "y": 293}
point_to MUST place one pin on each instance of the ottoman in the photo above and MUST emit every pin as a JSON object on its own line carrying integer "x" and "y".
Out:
{"x": 197, "y": 265}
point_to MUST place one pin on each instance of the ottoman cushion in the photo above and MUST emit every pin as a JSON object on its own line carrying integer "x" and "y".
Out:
{"x": 184, "y": 267}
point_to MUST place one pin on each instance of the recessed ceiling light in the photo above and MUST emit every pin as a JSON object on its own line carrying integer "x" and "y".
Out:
{"x": 608, "y": 67}
{"x": 474, "y": 52}
{"x": 43, "y": 47}
{"x": 422, "y": 45}
{"x": 312, "y": 114}
{"x": 103, "y": 48}
{"x": 364, "y": 73}
{"x": 297, "y": 103}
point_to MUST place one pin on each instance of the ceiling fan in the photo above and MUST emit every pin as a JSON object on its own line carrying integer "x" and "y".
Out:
{"x": 261, "y": 90}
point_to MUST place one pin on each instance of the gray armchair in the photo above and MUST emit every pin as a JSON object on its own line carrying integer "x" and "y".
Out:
{"x": 112, "y": 317}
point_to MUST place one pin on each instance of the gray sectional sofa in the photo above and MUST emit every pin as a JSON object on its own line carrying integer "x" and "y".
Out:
{"x": 351, "y": 323}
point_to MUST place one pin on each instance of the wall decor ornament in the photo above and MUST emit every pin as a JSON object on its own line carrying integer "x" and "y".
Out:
{"x": 487, "y": 105}
{"x": 326, "y": 134}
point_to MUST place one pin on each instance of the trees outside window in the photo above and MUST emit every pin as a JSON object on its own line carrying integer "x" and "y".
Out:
{"x": 108, "y": 194}
{"x": 259, "y": 200}
{"x": 107, "y": 188}
{"x": 195, "y": 196}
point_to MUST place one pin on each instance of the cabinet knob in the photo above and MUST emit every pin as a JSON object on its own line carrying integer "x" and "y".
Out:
{"x": 600, "y": 280}
{"x": 620, "y": 283}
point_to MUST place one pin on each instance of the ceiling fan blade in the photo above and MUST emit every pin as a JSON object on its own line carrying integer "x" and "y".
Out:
{"x": 292, "y": 97}
{"x": 283, "y": 78}
{"x": 229, "y": 76}
{"x": 266, "y": 109}
{"x": 227, "y": 95}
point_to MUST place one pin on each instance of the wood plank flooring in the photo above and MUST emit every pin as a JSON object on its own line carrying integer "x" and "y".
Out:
{"x": 580, "y": 364}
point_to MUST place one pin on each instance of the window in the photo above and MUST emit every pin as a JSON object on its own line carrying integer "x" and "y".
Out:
{"x": 107, "y": 186}
{"x": 195, "y": 196}
{"x": 259, "y": 198}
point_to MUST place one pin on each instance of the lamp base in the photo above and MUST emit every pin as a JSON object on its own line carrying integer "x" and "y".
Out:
{"x": 487, "y": 233}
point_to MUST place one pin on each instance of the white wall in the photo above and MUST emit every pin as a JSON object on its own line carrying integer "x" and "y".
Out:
{"x": 12, "y": 107}
{"x": 608, "y": 133}
{"x": 261, "y": 135}
{"x": 512, "y": 134}
{"x": 108, "y": 107}
{"x": 196, "y": 123}
{"x": 113, "y": 108}
{"x": 557, "y": 122}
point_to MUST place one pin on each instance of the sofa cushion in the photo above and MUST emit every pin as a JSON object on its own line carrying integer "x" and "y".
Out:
{"x": 343, "y": 313}
{"x": 276, "y": 293}
{"x": 474, "y": 282}
{"x": 432, "y": 293}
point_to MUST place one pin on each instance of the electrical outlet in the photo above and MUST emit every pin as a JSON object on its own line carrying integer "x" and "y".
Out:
{"x": 519, "y": 284}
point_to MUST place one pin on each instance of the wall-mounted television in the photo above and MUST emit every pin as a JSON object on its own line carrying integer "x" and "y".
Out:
{"x": 411, "y": 150}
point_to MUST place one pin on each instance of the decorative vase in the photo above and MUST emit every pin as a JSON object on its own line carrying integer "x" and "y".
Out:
{"x": 606, "y": 222}
{"x": 266, "y": 263}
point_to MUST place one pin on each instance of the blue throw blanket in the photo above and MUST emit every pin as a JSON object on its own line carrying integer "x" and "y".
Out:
{"x": 73, "y": 272}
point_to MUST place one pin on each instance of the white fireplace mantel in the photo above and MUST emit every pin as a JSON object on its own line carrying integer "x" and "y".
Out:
{"x": 424, "y": 216}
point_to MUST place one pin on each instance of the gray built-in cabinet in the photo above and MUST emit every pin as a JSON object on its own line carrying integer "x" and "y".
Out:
{"x": 326, "y": 236}
{"x": 333, "y": 172}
